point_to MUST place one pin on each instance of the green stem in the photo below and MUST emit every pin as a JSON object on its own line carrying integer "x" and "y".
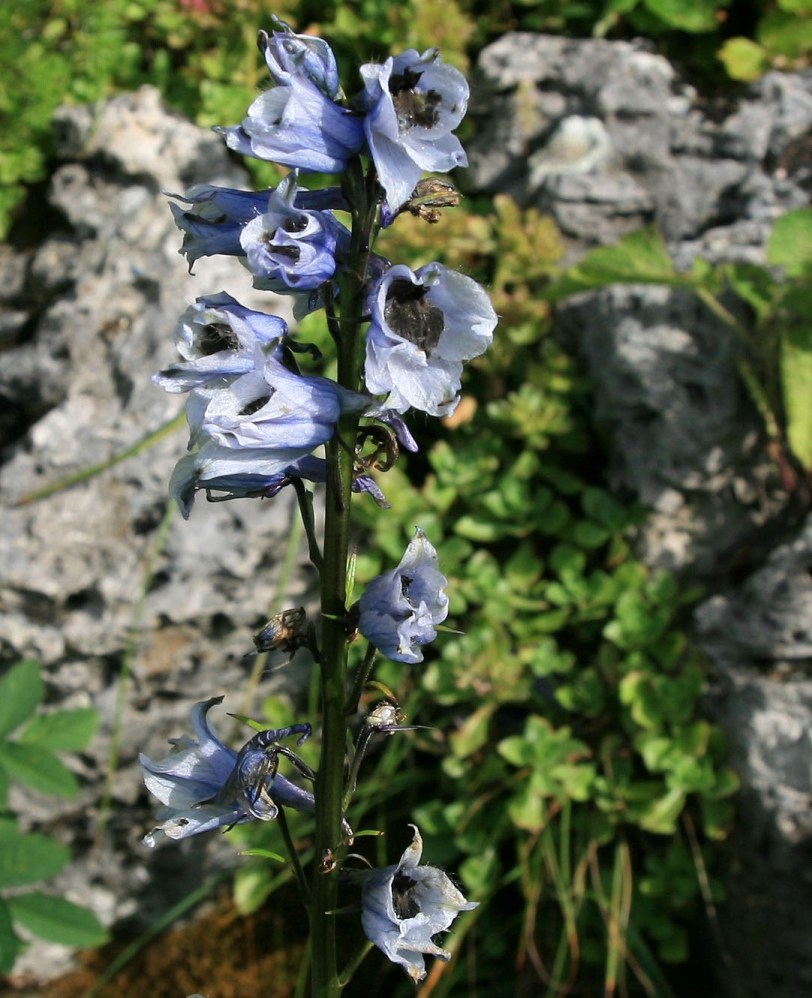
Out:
{"x": 340, "y": 453}
{"x": 305, "y": 500}
{"x": 295, "y": 862}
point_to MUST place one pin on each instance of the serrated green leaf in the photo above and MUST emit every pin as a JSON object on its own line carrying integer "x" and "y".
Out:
{"x": 790, "y": 243}
{"x": 21, "y": 690}
{"x": 64, "y": 730}
{"x": 29, "y": 858}
{"x": 10, "y": 943}
{"x": 57, "y": 920}
{"x": 37, "y": 768}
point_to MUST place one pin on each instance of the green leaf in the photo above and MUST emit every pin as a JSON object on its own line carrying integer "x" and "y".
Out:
{"x": 473, "y": 732}
{"x": 21, "y": 689}
{"x": 744, "y": 60}
{"x": 639, "y": 258}
{"x": 10, "y": 943}
{"x": 29, "y": 858}
{"x": 65, "y": 730}
{"x": 38, "y": 768}
{"x": 686, "y": 15}
{"x": 796, "y": 372}
{"x": 58, "y": 920}
{"x": 661, "y": 816}
{"x": 790, "y": 244}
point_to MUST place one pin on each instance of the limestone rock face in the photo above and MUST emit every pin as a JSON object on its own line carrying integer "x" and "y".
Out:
{"x": 126, "y": 606}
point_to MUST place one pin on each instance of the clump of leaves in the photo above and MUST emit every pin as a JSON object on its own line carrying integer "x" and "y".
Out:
{"x": 585, "y": 785}
{"x": 29, "y": 743}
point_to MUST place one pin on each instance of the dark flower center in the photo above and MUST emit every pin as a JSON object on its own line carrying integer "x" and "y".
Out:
{"x": 413, "y": 108}
{"x": 290, "y": 252}
{"x": 295, "y": 223}
{"x": 405, "y": 584}
{"x": 216, "y": 336}
{"x": 404, "y": 901}
{"x": 256, "y": 405}
{"x": 409, "y": 313}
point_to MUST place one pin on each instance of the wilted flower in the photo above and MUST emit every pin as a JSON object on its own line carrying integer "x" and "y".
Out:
{"x": 414, "y": 102}
{"x": 291, "y": 248}
{"x": 217, "y": 337}
{"x": 288, "y": 54}
{"x": 214, "y": 221}
{"x": 424, "y": 324}
{"x": 204, "y": 784}
{"x": 399, "y": 610}
{"x": 404, "y": 906}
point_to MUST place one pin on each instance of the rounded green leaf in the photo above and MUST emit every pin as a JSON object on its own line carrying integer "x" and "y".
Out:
{"x": 64, "y": 730}
{"x": 27, "y": 859}
{"x": 37, "y": 768}
{"x": 58, "y": 920}
{"x": 21, "y": 690}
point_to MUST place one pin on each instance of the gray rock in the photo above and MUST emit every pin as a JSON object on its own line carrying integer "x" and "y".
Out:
{"x": 139, "y": 618}
{"x": 675, "y": 158}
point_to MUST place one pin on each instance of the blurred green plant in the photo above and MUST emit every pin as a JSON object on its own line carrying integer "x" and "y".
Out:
{"x": 29, "y": 741}
{"x": 201, "y": 56}
{"x": 775, "y": 360}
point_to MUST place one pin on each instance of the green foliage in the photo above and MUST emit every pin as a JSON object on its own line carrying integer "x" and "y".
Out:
{"x": 777, "y": 365}
{"x": 202, "y": 57}
{"x": 28, "y": 741}
{"x": 576, "y": 751}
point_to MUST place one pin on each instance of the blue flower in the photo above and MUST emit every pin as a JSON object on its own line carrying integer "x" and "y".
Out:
{"x": 404, "y": 906}
{"x": 414, "y": 102}
{"x": 256, "y": 433}
{"x": 297, "y": 125}
{"x": 288, "y": 55}
{"x": 218, "y": 338}
{"x": 289, "y": 248}
{"x": 225, "y": 473}
{"x": 217, "y": 215}
{"x": 204, "y": 785}
{"x": 273, "y": 408}
{"x": 399, "y": 610}
{"x": 424, "y": 325}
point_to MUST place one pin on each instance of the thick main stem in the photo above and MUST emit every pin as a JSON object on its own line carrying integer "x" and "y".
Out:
{"x": 340, "y": 454}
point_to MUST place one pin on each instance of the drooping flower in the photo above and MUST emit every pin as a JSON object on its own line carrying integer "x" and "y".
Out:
{"x": 214, "y": 221}
{"x": 217, "y": 338}
{"x": 203, "y": 784}
{"x": 424, "y": 325}
{"x": 405, "y": 905}
{"x": 228, "y": 473}
{"x": 288, "y": 54}
{"x": 414, "y": 102}
{"x": 400, "y": 609}
{"x": 272, "y": 408}
{"x": 289, "y": 248}
{"x": 297, "y": 125}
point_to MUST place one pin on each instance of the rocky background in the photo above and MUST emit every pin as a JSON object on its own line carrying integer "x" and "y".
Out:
{"x": 605, "y": 137}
